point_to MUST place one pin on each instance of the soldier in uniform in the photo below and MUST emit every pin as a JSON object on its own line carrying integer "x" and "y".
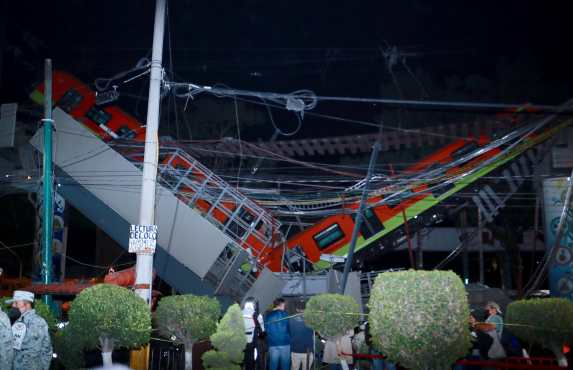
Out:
{"x": 31, "y": 339}
{"x": 6, "y": 351}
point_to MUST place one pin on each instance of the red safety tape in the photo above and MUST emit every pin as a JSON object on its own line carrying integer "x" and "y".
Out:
{"x": 515, "y": 363}
{"x": 363, "y": 355}
{"x": 508, "y": 363}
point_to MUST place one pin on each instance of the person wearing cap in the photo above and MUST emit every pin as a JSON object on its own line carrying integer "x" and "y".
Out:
{"x": 31, "y": 339}
{"x": 254, "y": 329}
{"x": 494, "y": 316}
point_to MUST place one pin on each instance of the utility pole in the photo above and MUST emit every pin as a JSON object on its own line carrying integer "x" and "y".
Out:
{"x": 465, "y": 255}
{"x": 420, "y": 251}
{"x": 361, "y": 209}
{"x": 48, "y": 188}
{"x": 144, "y": 263}
{"x": 480, "y": 241}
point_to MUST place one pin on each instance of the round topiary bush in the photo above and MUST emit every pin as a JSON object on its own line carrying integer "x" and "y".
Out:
{"x": 109, "y": 316}
{"x": 547, "y": 322}
{"x": 420, "y": 318}
{"x": 331, "y": 315}
{"x": 187, "y": 319}
{"x": 229, "y": 341}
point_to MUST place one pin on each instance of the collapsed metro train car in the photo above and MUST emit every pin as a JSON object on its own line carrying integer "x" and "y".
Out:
{"x": 420, "y": 203}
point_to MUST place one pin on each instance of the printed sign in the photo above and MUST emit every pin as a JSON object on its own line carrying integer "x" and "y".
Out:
{"x": 142, "y": 238}
{"x": 561, "y": 270}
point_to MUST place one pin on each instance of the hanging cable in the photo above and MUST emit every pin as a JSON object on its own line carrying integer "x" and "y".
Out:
{"x": 103, "y": 84}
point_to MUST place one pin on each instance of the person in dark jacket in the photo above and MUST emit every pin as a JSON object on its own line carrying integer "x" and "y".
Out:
{"x": 278, "y": 336}
{"x": 301, "y": 341}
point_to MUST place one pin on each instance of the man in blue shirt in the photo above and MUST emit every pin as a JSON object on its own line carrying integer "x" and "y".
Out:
{"x": 278, "y": 336}
{"x": 301, "y": 341}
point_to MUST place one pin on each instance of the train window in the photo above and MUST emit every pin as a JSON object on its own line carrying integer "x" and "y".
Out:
{"x": 125, "y": 132}
{"x": 433, "y": 166}
{"x": 468, "y": 148}
{"x": 98, "y": 115}
{"x": 370, "y": 224}
{"x": 395, "y": 200}
{"x": 70, "y": 100}
{"x": 439, "y": 189}
{"x": 326, "y": 238}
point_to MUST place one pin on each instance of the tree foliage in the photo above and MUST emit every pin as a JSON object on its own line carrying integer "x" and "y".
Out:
{"x": 218, "y": 360}
{"x": 548, "y": 322}
{"x": 331, "y": 315}
{"x": 68, "y": 345}
{"x": 112, "y": 313}
{"x": 187, "y": 318}
{"x": 44, "y": 311}
{"x": 229, "y": 342}
{"x": 420, "y": 318}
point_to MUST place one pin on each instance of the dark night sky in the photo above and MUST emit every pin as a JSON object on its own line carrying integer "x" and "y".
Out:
{"x": 330, "y": 47}
{"x": 289, "y": 41}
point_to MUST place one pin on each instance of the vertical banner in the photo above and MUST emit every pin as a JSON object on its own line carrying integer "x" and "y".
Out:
{"x": 561, "y": 269}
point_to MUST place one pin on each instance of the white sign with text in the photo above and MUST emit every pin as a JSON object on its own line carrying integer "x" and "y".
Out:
{"x": 142, "y": 238}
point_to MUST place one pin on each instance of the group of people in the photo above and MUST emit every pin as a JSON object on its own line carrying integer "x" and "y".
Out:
{"x": 285, "y": 342}
{"x": 24, "y": 337}
{"x": 490, "y": 341}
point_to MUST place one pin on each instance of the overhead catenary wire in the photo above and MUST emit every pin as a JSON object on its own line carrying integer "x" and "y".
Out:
{"x": 310, "y": 100}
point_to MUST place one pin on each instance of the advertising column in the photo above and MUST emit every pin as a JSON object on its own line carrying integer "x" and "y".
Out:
{"x": 561, "y": 270}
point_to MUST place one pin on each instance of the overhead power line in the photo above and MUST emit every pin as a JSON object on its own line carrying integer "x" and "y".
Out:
{"x": 307, "y": 100}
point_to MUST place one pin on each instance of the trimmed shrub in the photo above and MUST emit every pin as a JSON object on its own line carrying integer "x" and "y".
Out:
{"x": 547, "y": 322}
{"x": 420, "y": 318}
{"x": 187, "y": 319}
{"x": 229, "y": 341}
{"x": 331, "y": 315}
{"x": 109, "y": 316}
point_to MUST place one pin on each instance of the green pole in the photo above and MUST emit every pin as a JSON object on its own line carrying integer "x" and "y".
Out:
{"x": 48, "y": 181}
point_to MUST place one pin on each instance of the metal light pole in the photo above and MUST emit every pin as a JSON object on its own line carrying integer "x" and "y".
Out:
{"x": 361, "y": 208}
{"x": 47, "y": 208}
{"x": 144, "y": 264}
{"x": 480, "y": 240}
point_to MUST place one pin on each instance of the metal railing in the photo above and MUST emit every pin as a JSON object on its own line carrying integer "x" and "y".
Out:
{"x": 249, "y": 227}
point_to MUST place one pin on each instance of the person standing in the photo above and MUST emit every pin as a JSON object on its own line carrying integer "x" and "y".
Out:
{"x": 494, "y": 317}
{"x": 496, "y": 321}
{"x": 6, "y": 350}
{"x": 31, "y": 339}
{"x": 278, "y": 336}
{"x": 254, "y": 329}
{"x": 301, "y": 341}
{"x": 338, "y": 351}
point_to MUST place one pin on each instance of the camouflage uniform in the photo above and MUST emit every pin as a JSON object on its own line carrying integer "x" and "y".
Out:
{"x": 6, "y": 352}
{"x": 35, "y": 352}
